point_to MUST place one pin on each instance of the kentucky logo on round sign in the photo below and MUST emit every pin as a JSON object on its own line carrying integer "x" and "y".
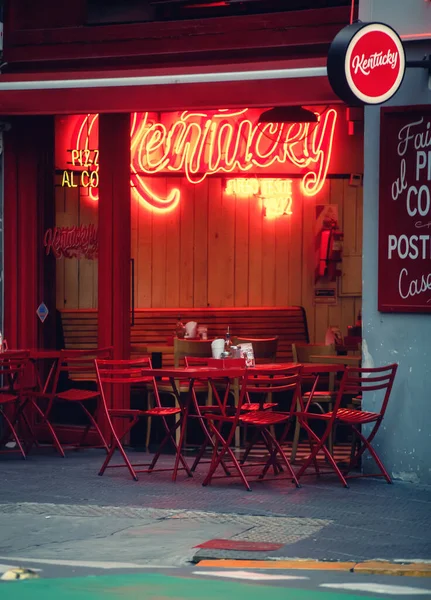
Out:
{"x": 366, "y": 63}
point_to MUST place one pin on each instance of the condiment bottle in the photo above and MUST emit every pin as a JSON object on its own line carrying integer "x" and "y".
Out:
{"x": 180, "y": 330}
{"x": 227, "y": 341}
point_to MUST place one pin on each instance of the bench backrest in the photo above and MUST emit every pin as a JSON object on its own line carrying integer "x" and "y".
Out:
{"x": 156, "y": 326}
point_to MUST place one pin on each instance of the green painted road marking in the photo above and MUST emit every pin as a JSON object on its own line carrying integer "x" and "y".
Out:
{"x": 156, "y": 587}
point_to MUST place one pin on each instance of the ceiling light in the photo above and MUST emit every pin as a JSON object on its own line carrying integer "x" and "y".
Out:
{"x": 288, "y": 114}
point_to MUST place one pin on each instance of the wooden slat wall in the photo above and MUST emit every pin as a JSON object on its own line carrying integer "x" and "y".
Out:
{"x": 156, "y": 326}
{"x": 219, "y": 251}
{"x": 76, "y": 280}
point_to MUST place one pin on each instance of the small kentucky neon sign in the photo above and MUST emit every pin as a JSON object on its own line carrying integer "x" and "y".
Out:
{"x": 198, "y": 144}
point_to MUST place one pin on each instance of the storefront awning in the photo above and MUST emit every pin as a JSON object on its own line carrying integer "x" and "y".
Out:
{"x": 221, "y": 86}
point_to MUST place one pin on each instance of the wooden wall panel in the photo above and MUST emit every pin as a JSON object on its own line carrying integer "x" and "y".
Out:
{"x": 200, "y": 247}
{"x": 242, "y": 248}
{"x": 159, "y": 251}
{"x": 268, "y": 262}
{"x": 255, "y": 255}
{"x": 76, "y": 280}
{"x": 187, "y": 229}
{"x": 144, "y": 257}
{"x": 217, "y": 250}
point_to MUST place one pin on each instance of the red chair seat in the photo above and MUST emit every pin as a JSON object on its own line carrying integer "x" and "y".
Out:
{"x": 126, "y": 412}
{"x": 6, "y": 398}
{"x": 162, "y": 411}
{"x": 246, "y": 407}
{"x": 262, "y": 418}
{"x": 344, "y": 415}
{"x": 348, "y": 415}
{"x": 253, "y": 406}
{"x": 75, "y": 395}
{"x": 157, "y": 411}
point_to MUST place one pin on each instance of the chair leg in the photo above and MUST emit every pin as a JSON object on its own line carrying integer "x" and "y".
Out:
{"x": 272, "y": 460}
{"x": 217, "y": 459}
{"x": 296, "y": 435}
{"x": 170, "y": 431}
{"x": 366, "y": 445}
{"x": 295, "y": 441}
{"x": 331, "y": 434}
{"x": 279, "y": 449}
{"x": 116, "y": 443}
{"x": 208, "y": 440}
{"x": 199, "y": 456}
{"x": 180, "y": 425}
{"x": 96, "y": 426}
{"x": 45, "y": 419}
{"x": 249, "y": 446}
{"x": 14, "y": 433}
{"x": 320, "y": 445}
{"x": 149, "y": 420}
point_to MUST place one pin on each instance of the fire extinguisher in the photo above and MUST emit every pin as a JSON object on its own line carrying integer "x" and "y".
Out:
{"x": 330, "y": 250}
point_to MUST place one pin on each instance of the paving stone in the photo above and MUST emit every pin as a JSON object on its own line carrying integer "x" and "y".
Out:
{"x": 321, "y": 520}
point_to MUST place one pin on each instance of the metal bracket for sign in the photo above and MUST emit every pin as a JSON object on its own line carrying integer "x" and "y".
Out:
{"x": 425, "y": 63}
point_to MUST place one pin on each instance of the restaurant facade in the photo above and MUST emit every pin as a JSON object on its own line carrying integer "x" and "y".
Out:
{"x": 195, "y": 162}
{"x": 396, "y": 297}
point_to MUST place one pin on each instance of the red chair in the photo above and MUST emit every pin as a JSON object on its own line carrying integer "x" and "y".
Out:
{"x": 119, "y": 373}
{"x": 257, "y": 381}
{"x": 76, "y": 366}
{"x": 356, "y": 382}
{"x": 221, "y": 405}
{"x": 12, "y": 391}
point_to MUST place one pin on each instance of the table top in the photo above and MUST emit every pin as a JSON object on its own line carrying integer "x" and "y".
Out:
{"x": 196, "y": 372}
{"x": 354, "y": 361}
{"x": 202, "y": 372}
{"x": 39, "y": 354}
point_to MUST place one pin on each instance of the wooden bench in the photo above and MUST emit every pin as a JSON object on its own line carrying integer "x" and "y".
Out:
{"x": 156, "y": 326}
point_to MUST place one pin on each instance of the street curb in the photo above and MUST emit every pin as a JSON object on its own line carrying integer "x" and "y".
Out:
{"x": 371, "y": 567}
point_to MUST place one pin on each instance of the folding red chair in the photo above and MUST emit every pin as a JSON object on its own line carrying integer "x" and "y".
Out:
{"x": 76, "y": 366}
{"x": 117, "y": 374}
{"x": 214, "y": 386}
{"x": 264, "y": 382}
{"x": 356, "y": 382}
{"x": 12, "y": 369}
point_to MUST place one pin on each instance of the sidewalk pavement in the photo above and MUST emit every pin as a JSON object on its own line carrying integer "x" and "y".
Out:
{"x": 59, "y": 509}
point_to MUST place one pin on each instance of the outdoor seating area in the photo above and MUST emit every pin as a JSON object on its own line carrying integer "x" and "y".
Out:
{"x": 229, "y": 405}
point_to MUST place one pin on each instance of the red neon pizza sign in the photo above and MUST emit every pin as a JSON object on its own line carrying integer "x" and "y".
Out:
{"x": 205, "y": 143}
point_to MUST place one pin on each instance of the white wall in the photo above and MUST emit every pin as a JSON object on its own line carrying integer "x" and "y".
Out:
{"x": 408, "y": 17}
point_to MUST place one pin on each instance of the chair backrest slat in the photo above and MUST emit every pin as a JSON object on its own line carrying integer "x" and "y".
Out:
{"x": 12, "y": 368}
{"x": 359, "y": 381}
{"x": 78, "y": 362}
{"x": 261, "y": 380}
{"x": 302, "y": 352}
{"x": 115, "y": 373}
{"x": 190, "y": 348}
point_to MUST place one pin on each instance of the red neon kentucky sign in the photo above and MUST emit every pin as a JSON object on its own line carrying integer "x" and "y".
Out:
{"x": 204, "y": 143}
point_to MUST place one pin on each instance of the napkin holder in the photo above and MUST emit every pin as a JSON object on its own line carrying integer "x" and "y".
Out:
{"x": 226, "y": 363}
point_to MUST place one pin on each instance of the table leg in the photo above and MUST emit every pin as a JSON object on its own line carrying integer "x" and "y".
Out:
{"x": 236, "y": 401}
{"x": 331, "y": 435}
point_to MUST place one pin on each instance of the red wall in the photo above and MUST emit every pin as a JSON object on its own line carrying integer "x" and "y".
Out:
{"x": 45, "y": 36}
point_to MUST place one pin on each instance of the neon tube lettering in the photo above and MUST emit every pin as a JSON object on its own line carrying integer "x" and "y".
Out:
{"x": 200, "y": 144}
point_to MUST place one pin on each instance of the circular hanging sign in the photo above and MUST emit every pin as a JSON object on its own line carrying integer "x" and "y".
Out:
{"x": 366, "y": 63}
